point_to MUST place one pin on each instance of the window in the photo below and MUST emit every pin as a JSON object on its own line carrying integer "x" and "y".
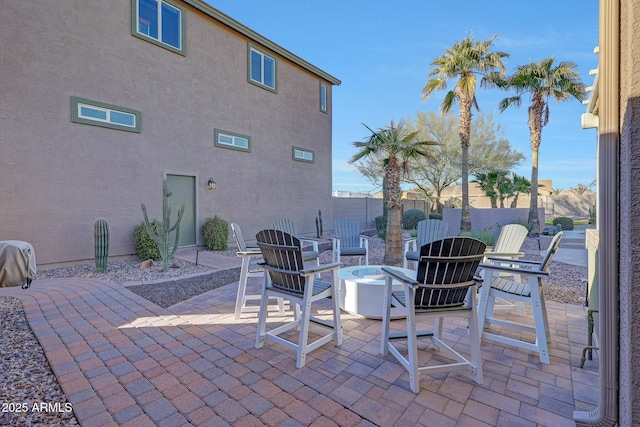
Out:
{"x": 262, "y": 69}
{"x": 96, "y": 113}
{"x": 323, "y": 97}
{"x": 160, "y": 22}
{"x": 303, "y": 155}
{"x": 232, "y": 140}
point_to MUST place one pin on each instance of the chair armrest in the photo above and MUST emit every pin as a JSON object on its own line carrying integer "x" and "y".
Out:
{"x": 520, "y": 271}
{"x": 249, "y": 252}
{"x": 504, "y": 254}
{"x": 362, "y": 236}
{"x": 320, "y": 268}
{"x": 522, "y": 262}
{"x": 400, "y": 276}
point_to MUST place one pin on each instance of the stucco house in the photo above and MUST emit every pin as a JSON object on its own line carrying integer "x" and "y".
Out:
{"x": 102, "y": 100}
{"x": 614, "y": 108}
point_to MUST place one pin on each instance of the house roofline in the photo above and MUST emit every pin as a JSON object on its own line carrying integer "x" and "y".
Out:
{"x": 242, "y": 29}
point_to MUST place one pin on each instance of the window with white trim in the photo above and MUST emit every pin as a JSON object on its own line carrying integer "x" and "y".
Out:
{"x": 96, "y": 113}
{"x": 262, "y": 69}
{"x": 232, "y": 140}
{"x": 323, "y": 97}
{"x": 303, "y": 155}
{"x": 160, "y": 22}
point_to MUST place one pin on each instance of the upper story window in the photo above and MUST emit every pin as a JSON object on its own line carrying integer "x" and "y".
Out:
{"x": 262, "y": 69}
{"x": 303, "y": 155}
{"x": 323, "y": 97}
{"x": 159, "y": 21}
{"x": 232, "y": 140}
{"x": 110, "y": 116}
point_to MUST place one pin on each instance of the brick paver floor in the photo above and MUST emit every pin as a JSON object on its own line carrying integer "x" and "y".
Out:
{"x": 122, "y": 360}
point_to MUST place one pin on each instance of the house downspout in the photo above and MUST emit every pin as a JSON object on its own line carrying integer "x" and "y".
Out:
{"x": 606, "y": 414}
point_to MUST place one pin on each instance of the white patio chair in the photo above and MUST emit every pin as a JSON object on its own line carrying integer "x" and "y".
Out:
{"x": 288, "y": 278}
{"x": 445, "y": 286}
{"x": 251, "y": 257}
{"x": 524, "y": 285}
{"x": 429, "y": 230}
{"x": 508, "y": 246}
{"x": 347, "y": 240}
{"x": 289, "y": 227}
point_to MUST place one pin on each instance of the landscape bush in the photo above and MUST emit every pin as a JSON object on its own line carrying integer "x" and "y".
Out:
{"x": 411, "y": 218}
{"x": 435, "y": 215}
{"x": 216, "y": 234}
{"x": 566, "y": 223}
{"x": 146, "y": 248}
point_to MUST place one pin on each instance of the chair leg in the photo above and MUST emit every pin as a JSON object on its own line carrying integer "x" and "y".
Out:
{"x": 412, "y": 344}
{"x": 262, "y": 314}
{"x": 303, "y": 339}
{"x": 386, "y": 317}
{"x": 484, "y": 301}
{"x": 540, "y": 320}
{"x": 335, "y": 299}
{"x": 242, "y": 286}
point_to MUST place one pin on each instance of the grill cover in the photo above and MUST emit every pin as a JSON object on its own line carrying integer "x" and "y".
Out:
{"x": 17, "y": 263}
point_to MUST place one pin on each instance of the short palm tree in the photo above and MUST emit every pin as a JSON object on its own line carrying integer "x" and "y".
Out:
{"x": 520, "y": 185}
{"x": 465, "y": 61}
{"x": 397, "y": 146}
{"x": 542, "y": 80}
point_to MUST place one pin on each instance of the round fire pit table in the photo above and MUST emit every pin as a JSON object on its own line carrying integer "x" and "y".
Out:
{"x": 362, "y": 290}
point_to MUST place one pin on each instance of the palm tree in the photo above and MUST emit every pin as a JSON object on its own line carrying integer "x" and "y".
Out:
{"x": 541, "y": 80}
{"x": 520, "y": 185}
{"x": 491, "y": 183}
{"x": 397, "y": 146}
{"x": 466, "y": 60}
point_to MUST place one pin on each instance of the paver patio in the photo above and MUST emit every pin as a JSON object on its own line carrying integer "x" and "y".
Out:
{"x": 122, "y": 360}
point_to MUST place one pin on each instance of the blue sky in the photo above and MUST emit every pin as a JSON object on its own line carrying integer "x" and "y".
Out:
{"x": 382, "y": 51}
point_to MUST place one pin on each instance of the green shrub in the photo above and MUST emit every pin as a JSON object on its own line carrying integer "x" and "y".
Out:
{"x": 381, "y": 227}
{"x": 566, "y": 223}
{"x": 435, "y": 215}
{"x": 146, "y": 248}
{"x": 524, "y": 223}
{"x": 486, "y": 235}
{"x": 411, "y": 217}
{"x": 216, "y": 234}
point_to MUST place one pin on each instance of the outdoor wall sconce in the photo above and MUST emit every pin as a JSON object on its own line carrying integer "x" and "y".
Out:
{"x": 211, "y": 184}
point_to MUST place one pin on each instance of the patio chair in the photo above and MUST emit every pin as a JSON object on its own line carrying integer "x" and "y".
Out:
{"x": 289, "y": 227}
{"x": 429, "y": 230}
{"x": 508, "y": 246}
{"x": 445, "y": 286}
{"x": 288, "y": 278}
{"x": 525, "y": 285}
{"x": 347, "y": 240}
{"x": 251, "y": 258}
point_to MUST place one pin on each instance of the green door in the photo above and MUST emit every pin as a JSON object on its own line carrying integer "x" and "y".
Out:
{"x": 183, "y": 191}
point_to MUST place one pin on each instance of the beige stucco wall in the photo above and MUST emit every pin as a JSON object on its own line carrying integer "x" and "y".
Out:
{"x": 629, "y": 214}
{"x": 58, "y": 176}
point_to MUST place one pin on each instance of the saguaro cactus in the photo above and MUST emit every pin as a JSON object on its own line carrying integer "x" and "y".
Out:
{"x": 101, "y": 239}
{"x": 161, "y": 236}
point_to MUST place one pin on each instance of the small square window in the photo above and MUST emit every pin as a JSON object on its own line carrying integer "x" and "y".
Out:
{"x": 262, "y": 69}
{"x": 303, "y": 155}
{"x": 323, "y": 97}
{"x": 232, "y": 140}
{"x": 96, "y": 113}
{"x": 160, "y": 22}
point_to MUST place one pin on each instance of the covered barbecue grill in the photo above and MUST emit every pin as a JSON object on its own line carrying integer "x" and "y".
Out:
{"x": 17, "y": 263}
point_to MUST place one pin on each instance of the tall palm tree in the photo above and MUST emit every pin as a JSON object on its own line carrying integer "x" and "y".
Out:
{"x": 542, "y": 80}
{"x": 397, "y": 146}
{"x": 465, "y": 61}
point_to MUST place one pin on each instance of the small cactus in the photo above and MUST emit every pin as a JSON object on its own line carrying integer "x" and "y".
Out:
{"x": 319, "y": 227}
{"x": 101, "y": 238}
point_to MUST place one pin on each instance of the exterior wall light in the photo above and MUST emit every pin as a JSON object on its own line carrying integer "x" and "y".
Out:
{"x": 211, "y": 184}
